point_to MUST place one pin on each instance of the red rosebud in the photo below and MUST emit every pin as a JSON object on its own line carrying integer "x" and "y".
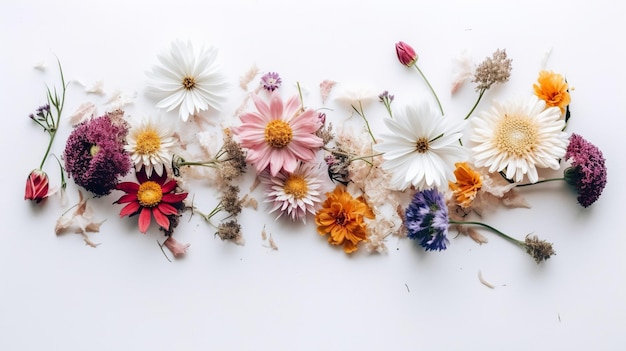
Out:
{"x": 36, "y": 186}
{"x": 406, "y": 54}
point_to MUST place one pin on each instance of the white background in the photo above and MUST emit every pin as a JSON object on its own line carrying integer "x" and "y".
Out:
{"x": 58, "y": 294}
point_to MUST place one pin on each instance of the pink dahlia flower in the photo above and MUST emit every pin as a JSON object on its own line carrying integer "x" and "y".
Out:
{"x": 279, "y": 135}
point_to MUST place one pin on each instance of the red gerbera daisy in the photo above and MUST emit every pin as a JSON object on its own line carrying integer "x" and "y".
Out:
{"x": 152, "y": 196}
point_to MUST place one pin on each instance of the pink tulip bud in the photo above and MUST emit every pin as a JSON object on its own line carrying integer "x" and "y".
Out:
{"x": 36, "y": 186}
{"x": 406, "y": 54}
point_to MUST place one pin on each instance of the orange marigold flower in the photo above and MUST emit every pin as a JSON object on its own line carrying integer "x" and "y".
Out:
{"x": 553, "y": 89}
{"x": 468, "y": 182}
{"x": 341, "y": 216}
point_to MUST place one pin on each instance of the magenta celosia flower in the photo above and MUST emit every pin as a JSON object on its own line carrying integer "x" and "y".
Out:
{"x": 279, "y": 135}
{"x": 271, "y": 81}
{"x": 94, "y": 154}
{"x": 587, "y": 172}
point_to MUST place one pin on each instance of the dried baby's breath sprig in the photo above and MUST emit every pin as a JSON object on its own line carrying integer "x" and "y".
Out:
{"x": 494, "y": 69}
{"x": 540, "y": 250}
{"x": 230, "y": 160}
{"x": 231, "y": 231}
{"x": 338, "y": 162}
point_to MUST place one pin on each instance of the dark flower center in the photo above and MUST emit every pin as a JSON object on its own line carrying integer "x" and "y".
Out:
{"x": 421, "y": 145}
{"x": 189, "y": 82}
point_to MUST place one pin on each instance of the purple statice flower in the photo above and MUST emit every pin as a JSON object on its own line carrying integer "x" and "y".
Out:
{"x": 426, "y": 220}
{"x": 587, "y": 172}
{"x": 271, "y": 81}
{"x": 94, "y": 154}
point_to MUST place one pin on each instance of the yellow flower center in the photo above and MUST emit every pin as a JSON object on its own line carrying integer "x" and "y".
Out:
{"x": 296, "y": 185}
{"x": 189, "y": 82}
{"x": 149, "y": 194}
{"x": 93, "y": 150}
{"x": 278, "y": 133}
{"x": 421, "y": 145}
{"x": 516, "y": 135}
{"x": 148, "y": 142}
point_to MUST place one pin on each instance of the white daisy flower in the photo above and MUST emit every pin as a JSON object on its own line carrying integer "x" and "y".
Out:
{"x": 518, "y": 137}
{"x": 149, "y": 144}
{"x": 295, "y": 194}
{"x": 188, "y": 81}
{"x": 422, "y": 148}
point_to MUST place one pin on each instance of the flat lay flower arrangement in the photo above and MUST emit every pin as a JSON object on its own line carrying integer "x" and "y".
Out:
{"x": 427, "y": 177}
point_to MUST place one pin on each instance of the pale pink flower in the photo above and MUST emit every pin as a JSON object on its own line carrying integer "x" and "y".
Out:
{"x": 176, "y": 247}
{"x": 295, "y": 194}
{"x": 279, "y": 135}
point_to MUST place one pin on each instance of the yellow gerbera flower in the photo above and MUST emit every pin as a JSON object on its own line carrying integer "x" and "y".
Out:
{"x": 341, "y": 217}
{"x": 468, "y": 183}
{"x": 553, "y": 89}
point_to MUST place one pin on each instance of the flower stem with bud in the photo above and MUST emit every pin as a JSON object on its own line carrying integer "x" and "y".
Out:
{"x": 431, "y": 88}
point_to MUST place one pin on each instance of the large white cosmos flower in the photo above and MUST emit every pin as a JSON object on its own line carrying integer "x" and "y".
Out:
{"x": 187, "y": 80}
{"x": 421, "y": 149}
{"x": 519, "y": 136}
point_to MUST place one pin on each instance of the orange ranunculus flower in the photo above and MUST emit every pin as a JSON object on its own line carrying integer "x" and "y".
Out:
{"x": 341, "y": 217}
{"x": 468, "y": 182}
{"x": 553, "y": 89}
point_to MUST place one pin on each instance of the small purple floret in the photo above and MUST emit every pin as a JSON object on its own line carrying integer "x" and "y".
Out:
{"x": 271, "y": 81}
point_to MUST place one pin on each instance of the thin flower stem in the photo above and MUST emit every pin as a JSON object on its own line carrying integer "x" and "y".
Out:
{"x": 163, "y": 251}
{"x": 58, "y": 105}
{"x": 480, "y": 96}
{"x": 511, "y": 239}
{"x": 212, "y": 163}
{"x": 362, "y": 114}
{"x": 431, "y": 88}
{"x": 541, "y": 181}
{"x": 300, "y": 95}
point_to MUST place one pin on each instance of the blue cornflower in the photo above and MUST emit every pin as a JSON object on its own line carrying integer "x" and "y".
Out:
{"x": 426, "y": 220}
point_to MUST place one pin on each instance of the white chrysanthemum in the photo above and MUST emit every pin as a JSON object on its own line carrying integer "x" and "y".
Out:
{"x": 295, "y": 194}
{"x": 189, "y": 81}
{"x": 149, "y": 144}
{"x": 519, "y": 136}
{"x": 422, "y": 149}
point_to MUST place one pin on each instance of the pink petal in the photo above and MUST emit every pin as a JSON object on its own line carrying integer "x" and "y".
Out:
{"x": 167, "y": 209}
{"x": 144, "y": 219}
{"x": 174, "y": 198}
{"x": 127, "y": 198}
{"x": 161, "y": 219}
{"x": 130, "y": 209}
{"x": 128, "y": 187}
{"x": 276, "y": 107}
{"x": 261, "y": 106}
{"x": 169, "y": 186}
{"x": 177, "y": 248}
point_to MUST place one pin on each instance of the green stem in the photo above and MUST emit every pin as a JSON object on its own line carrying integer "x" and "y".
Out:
{"x": 58, "y": 105}
{"x": 513, "y": 240}
{"x": 362, "y": 114}
{"x": 480, "y": 96}
{"x": 431, "y": 88}
{"x": 300, "y": 95}
{"x": 212, "y": 163}
{"x": 541, "y": 181}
